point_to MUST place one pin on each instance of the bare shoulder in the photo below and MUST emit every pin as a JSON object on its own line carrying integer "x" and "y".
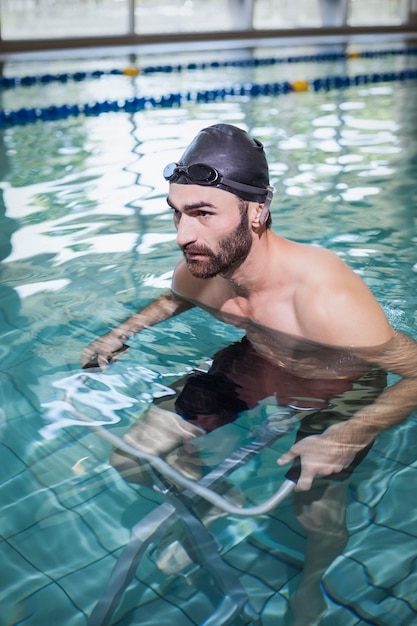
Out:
{"x": 320, "y": 266}
{"x": 334, "y": 305}
{"x": 323, "y": 259}
{"x": 313, "y": 267}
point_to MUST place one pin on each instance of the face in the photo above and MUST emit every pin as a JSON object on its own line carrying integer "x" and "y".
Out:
{"x": 212, "y": 230}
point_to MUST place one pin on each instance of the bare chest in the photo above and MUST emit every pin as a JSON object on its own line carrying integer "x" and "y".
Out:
{"x": 272, "y": 306}
{"x": 275, "y": 313}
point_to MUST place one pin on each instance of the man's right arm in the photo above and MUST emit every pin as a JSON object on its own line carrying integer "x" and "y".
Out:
{"x": 104, "y": 349}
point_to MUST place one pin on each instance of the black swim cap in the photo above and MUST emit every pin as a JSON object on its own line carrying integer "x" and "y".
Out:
{"x": 235, "y": 155}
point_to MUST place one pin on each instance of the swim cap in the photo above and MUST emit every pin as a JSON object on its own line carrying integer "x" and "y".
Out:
{"x": 238, "y": 158}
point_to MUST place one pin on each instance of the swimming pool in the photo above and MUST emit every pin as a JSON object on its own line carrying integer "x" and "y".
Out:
{"x": 86, "y": 240}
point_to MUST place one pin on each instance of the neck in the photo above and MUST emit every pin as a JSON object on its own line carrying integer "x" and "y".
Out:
{"x": 252, "y": 275}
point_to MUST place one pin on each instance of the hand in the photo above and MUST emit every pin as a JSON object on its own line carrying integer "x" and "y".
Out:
{"x": 320, "y": 455}
{"x": 104, "y": 350}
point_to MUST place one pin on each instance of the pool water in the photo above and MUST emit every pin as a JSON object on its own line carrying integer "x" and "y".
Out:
{"x": 86, "y": 239}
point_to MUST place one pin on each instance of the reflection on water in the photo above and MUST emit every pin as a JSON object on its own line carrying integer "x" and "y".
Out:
{"x": 86, "y": 240}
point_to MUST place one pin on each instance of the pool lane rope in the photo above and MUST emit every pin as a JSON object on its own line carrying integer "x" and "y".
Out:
{"x": 133, "y": 71}
{"x": 253, "y": 90}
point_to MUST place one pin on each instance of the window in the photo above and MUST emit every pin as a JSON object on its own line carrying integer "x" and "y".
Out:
{"x": 51, "y": 19}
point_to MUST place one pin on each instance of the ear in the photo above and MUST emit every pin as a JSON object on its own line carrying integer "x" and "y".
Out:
{"x": 258, "y": 219}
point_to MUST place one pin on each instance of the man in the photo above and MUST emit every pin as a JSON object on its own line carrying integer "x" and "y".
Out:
{"x": 236, "y": 268}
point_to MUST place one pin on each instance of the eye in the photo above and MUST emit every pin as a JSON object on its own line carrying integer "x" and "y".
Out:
{"x": 202, "y": 214}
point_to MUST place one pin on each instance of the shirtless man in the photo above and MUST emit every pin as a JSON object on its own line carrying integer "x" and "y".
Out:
{"x": 236, "y": 268}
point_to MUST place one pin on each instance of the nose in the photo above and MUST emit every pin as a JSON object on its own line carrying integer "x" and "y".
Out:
{"x": 185, "y": 231}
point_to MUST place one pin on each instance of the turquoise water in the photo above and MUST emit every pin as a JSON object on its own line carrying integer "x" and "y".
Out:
{"x": 86, "y": 240}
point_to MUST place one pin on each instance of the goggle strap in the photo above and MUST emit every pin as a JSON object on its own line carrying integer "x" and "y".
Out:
{"x": 265, "y": 209}
{"x": 241, "y": 186}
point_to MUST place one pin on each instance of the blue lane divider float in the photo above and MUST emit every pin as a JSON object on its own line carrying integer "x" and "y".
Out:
{"x": 28, "y": 81}
{"x": 134, "y": 105}
{"x": 44, "y": 79}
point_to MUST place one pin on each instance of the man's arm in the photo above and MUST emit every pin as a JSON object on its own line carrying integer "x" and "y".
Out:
{"x": 335, "y": 449}
{"x": 103, "y": 350}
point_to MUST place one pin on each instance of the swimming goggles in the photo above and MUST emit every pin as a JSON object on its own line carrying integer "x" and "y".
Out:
{"x": 202, "y": 174}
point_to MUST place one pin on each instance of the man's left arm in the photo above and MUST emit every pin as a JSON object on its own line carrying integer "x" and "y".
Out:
{"x": 335, "y": 449}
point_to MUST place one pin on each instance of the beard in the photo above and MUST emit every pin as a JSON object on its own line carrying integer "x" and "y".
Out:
{"x": 232, "y": 250}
